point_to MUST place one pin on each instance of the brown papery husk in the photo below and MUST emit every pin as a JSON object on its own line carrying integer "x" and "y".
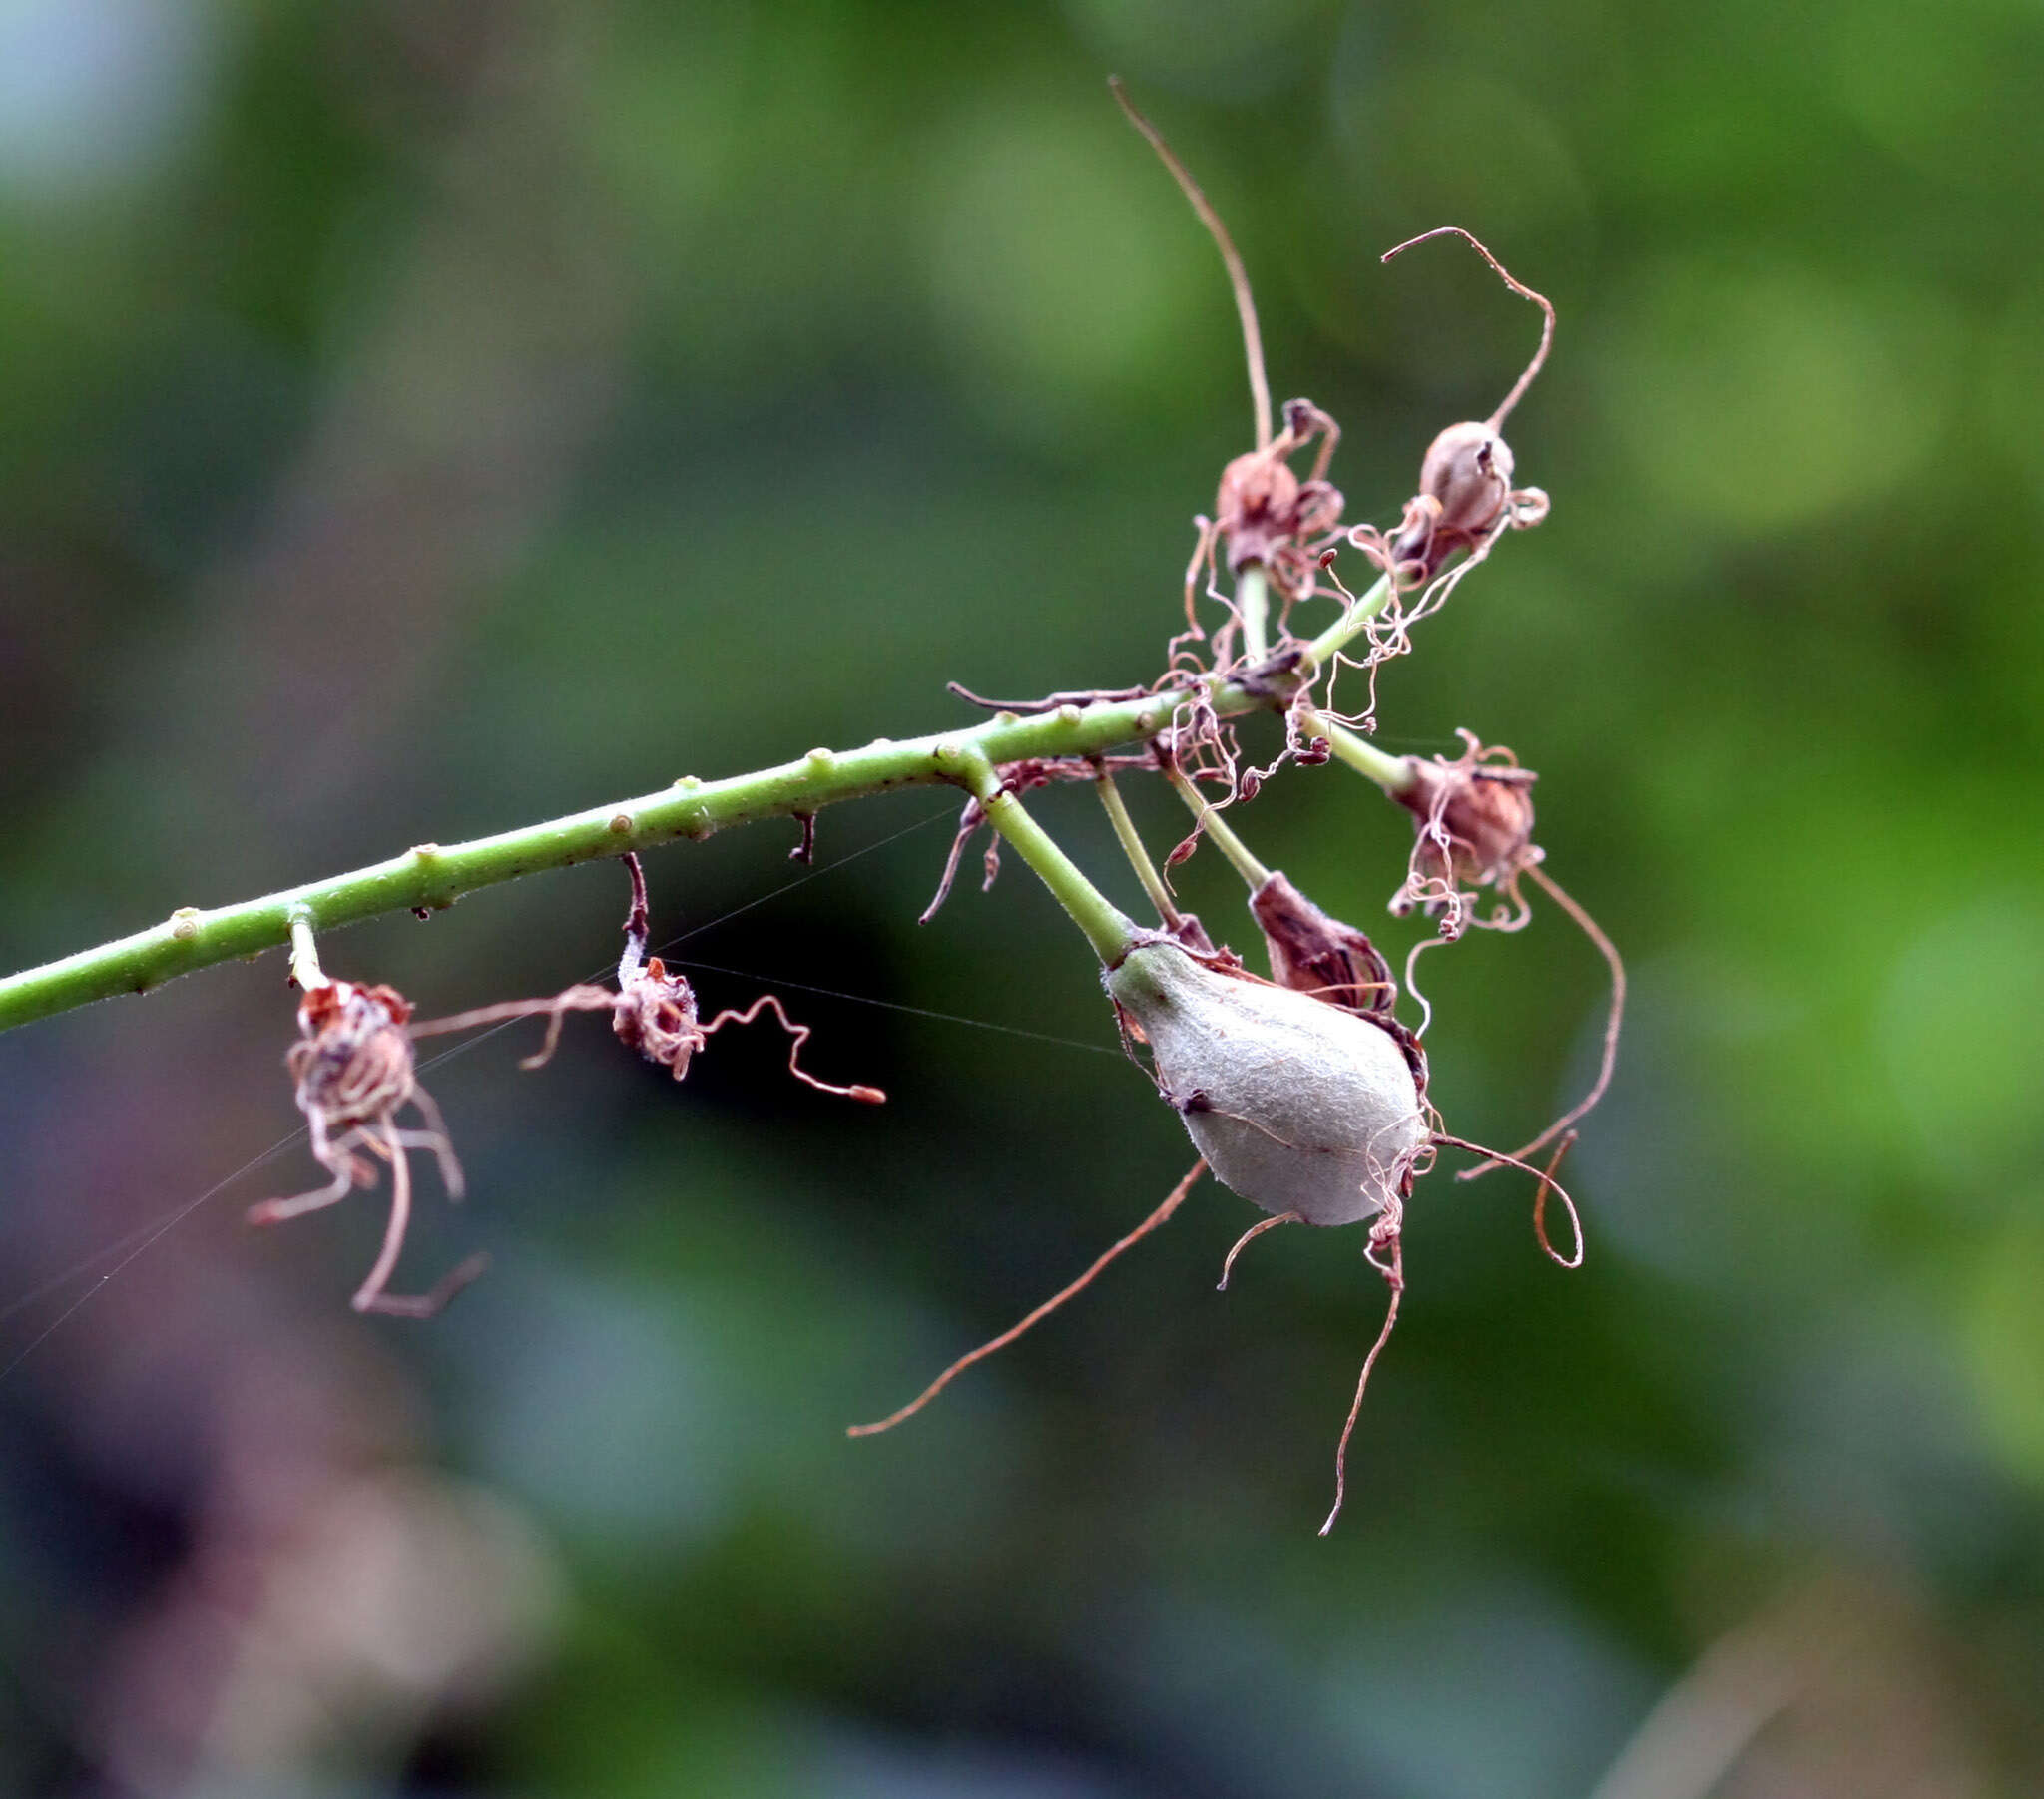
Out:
{"x": 1315, "y": 954}
{"x": 1298, "y": 1106}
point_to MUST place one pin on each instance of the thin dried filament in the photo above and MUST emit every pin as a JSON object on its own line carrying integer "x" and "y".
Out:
{"x": 1173, "y": 1200}
{"x": 870, "y": 1096}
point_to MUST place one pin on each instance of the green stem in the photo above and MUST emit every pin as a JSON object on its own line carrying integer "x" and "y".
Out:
{"x": 1253, "y": 601}
{"x": 1132, "y": 847}
{"x": 1107, "y": 928}
{"x": 1320, "y": 649}
{"x": 431, "y": 877}
{"x": 1389, "y": 772}
{"x": 1210, "y": 821}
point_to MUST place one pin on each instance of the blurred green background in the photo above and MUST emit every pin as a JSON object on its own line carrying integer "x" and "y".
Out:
{"x": 418, "y": 420}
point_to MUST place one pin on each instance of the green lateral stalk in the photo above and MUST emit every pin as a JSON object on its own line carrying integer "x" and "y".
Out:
{"x": 1108, "y": 929}
{"x": 1358, "y": 752}
{"x": 1230, "y": 846}
{"x": 1132, "y": 847}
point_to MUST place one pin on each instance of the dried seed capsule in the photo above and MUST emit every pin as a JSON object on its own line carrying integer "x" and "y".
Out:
{"x": 1298, "y": 1106}
{"x": 1469, "y": 469}
{"x": 1474, "y": 818}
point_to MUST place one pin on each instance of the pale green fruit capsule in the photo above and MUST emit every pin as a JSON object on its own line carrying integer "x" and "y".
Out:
{"x": 1296, "y": 1105}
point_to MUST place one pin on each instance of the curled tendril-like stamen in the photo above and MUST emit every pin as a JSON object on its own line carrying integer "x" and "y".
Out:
{"x": 1613, "y": 1022}
{"x": 1237, "y": 277}
{"x": 1547, "y": 1185}
{"x": 869, "y": 1095}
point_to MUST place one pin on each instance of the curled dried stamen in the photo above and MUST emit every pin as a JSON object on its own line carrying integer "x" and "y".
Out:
{"x": 1614, "y": 1021}
{"x": 1547, "y": 1185}
{"x": 353, "y": 1070}
{"x": 1504, "y": 274}
{"x": 1238, "y": 276}
{"x": 870, "y": 1096}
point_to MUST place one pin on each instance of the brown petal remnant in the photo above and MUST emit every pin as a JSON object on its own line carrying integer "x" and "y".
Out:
{"x": 1314, "y": 953}
{"x": 1263, "y": 510}
{"x": 352, "y": 1065}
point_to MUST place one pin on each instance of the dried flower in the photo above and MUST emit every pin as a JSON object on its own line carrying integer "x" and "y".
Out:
{"x": 1314, "y": 954}
{"x": 653, "y": 1010}
{"x": 1474, "y": 818}
{"x": 352, "y": 1065}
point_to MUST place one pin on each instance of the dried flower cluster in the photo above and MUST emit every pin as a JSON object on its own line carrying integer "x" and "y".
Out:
{"x": 354, "y": 1068}
{"x": 1303, "y": 1090}
{"x": 353, "y": 1074}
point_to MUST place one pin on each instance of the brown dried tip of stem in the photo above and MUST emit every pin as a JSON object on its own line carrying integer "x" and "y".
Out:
{"x": 1172, "y": 1203}
{"x": 1384, "y": 1234}
{"x": 1237, "y": 277}
{"x": 1504, "y": 274}
{"x": 1613, "y": 1022}
{"x": 968, "y": 825}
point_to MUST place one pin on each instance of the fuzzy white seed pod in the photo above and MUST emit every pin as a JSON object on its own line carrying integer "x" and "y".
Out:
{"x": 1298, "y": 1106}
